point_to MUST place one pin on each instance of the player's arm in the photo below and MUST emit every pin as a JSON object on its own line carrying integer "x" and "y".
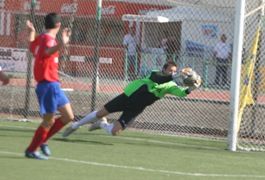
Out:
{"x": 51, "y": 50}
{"x": 65, "y": 40}
{"x": 32, "y": 31}
{"x": 31, "y": 37}
{"x": 178, "y": 91}
{"x": 4, "y": 78}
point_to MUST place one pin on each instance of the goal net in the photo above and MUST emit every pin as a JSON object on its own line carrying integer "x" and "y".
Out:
{"x": 251, "y": 107}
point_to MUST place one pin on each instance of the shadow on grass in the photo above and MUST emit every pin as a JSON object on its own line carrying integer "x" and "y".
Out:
{"x": 17, "y": 130}
{"x": 6, "y": 132}
{"x": 146, "y": 141}
{"x": 81, "y": 141}
{"x": 13, "y": 157}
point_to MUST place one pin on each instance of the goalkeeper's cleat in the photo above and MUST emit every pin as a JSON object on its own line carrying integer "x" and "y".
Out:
{"x": 45, "y": 149}
{"x": 35, "y": 155}
{"x": 68, "y": 131}
{"x": 96, "y": 125}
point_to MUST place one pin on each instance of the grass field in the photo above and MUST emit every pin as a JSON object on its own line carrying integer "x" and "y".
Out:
{"x": 132, "y": 156}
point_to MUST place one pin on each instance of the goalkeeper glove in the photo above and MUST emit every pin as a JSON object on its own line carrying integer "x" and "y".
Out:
{"x": 197, "y": 83}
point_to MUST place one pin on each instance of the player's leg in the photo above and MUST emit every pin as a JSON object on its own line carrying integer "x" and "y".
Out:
{"x": 44, "y": 92}
{"x": 66, "y": 117}
{"x": 130, "y": 108}
{"x": 90, "y": 118}
{"x": 121, "y": 124}
{"x": 116, "y": 104}
{"x": 65, "y": 109}
{"x": 39, "y": 137}
{"x": 63, "y": 106}
{"x": 54, "y": 122}
{"x": 48, "y": 105}
{"x": 218, "y": 74}
{"x": 119, "y": 103}
{"x": 114, "y": 128}
{"x": 224, "y": 75}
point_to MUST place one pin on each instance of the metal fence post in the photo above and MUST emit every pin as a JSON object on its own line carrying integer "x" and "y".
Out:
{"x": 96, "y": 56}
{"x": 29, "y": 66}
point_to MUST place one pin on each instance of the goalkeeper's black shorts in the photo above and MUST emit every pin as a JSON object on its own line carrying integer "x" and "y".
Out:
{"x": 131, "y": 106}
{"x": 123, "y": 103}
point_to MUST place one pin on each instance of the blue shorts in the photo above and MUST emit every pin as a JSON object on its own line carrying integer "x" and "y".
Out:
{"x": 50, "y": 97}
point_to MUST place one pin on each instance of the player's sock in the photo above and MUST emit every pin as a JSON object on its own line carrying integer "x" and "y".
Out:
{"x": 57, "y": 126}
{"x": 38, "y": 138}
{"x": 90, "y": 118}
{"x": 106, "y": 126}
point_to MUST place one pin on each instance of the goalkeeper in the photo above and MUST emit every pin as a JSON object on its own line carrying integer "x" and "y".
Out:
{"x": 136, "y": 97}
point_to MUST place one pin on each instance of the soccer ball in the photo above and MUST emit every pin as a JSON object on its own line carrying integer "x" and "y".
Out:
{"x": 189, "y": 81}
{"x": 190, "y": 77}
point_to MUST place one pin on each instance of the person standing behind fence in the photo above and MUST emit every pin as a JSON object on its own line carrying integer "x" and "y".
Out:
{"x": 222, "y": 54}
{"x": 172, "y": 51}
{"x": 130, "y": 45}
{"x": 3, "y": 77}
{"x": 45, "y": 49}
{"x": 163, "y": 43}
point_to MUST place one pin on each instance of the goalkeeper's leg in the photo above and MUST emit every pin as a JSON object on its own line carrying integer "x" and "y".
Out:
{"x": 118, "y": 126}
{"x": 89, "y": 118}
{"x": 111, "y": 128}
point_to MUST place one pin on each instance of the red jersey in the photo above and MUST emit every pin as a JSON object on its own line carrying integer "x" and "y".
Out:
{"x": 45, "y": 66}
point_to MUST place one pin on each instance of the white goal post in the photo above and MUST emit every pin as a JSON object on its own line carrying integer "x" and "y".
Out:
{"x": 236, "y": 69}
{"x": 246, "y": 127}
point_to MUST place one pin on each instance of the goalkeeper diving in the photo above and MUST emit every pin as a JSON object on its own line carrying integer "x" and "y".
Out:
{"x": 137, "y": 96}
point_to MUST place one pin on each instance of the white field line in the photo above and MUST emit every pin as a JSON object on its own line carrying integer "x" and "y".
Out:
{"x": 135, "y": 167}
{"x": 135, "y": 139}
{"x": 139, "y": 168}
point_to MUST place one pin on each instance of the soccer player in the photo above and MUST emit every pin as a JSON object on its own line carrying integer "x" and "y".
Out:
{"x": 3, "y": 77}
{"x": 136, "y": 97}
{"x": 51, "y": 98}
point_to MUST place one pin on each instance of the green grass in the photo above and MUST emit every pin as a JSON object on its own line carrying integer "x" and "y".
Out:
{"x": 131, "y": 156}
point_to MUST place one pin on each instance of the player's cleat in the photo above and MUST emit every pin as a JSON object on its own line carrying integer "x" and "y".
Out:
{"x": 68, "y": 131}
{"x": 96, "y": 125}
{"x": 45, "y": 149}
{"x": 35, "y": 155}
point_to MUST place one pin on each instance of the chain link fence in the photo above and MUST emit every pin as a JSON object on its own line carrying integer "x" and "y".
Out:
{"x": 97, "y": 65}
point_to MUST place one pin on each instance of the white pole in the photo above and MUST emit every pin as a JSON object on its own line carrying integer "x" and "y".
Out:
{"x": 236, "y": 71}
{"x": 262, "y": 9}
{"x": 95, "y": 78}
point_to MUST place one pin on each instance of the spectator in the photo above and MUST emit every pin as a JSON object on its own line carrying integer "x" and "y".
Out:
{"x": 172, "y": 48}
{"x": 222, "y": 54}
{"x": 163, "y": 43}
{"x": 130, "y": 45}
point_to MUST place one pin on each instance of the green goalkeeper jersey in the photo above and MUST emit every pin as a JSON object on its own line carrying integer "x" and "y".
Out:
{"x": 157, "y": 84}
